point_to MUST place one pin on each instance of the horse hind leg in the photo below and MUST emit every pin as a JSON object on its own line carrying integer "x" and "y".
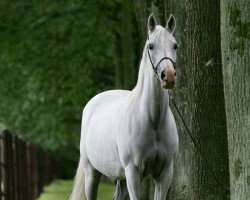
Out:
{"x": 92, "y": 180}
{"x": 121, "y": 191}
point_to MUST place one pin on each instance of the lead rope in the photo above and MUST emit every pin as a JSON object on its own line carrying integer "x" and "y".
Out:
{"x": 196, "y": 146}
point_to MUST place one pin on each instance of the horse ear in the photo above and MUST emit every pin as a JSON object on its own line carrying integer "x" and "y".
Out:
{"x": 151, "y": 23}
{"x": 171, "y": 23}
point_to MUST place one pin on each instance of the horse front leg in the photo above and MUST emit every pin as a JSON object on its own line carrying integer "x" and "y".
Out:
{"x": 162, "y": 183}
{"x": 133, "y": 180}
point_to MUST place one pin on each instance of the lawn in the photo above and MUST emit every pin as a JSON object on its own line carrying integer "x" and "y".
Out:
{"x": 60, "y": 190}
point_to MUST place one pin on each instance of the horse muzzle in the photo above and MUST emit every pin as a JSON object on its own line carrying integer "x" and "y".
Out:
{"x": 168, "y": 78}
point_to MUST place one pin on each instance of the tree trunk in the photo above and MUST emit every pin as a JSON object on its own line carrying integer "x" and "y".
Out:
{"x": 207, "y": 109}
{"x": 125, "y": 56}
{"x": 235, "y": 45}
{"x": 127, "y": 45}
{"x": 180, "y": 187}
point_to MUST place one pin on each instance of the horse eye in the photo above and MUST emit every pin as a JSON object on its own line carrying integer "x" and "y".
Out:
{"x": 150, "y": 46}
{"x": 175, "y": 46}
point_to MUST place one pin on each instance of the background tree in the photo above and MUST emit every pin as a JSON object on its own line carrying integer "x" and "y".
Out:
{"x": 235, "y": 43}
{"x": 54, "y": 57}
{"x": 125, "y": 55}
{"x": 207, "y": 109}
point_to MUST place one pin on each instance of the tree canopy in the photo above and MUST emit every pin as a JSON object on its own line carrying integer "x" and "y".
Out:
{"x": 54, "y": 56}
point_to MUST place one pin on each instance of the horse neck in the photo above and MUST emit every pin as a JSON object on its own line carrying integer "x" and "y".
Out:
{"x": 151, "y": 98}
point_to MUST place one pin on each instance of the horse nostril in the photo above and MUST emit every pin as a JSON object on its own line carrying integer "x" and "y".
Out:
{"x": 163, "y": 75}
{"x": 174, "y": 73}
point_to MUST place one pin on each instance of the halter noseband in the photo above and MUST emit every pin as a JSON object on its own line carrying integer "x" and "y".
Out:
{"x": 156, "y": 67}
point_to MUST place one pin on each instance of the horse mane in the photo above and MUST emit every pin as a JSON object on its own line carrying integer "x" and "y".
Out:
{"x": 144, "y": 65}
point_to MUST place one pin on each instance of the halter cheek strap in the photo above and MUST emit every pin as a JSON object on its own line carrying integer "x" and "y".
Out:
{"x": 155, "y": 68}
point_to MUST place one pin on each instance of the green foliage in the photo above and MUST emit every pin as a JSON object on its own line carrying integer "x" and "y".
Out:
{"x": 105, "y": 191}
{"x": 54, "y": 56}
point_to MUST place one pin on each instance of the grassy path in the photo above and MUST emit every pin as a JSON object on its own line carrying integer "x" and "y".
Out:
{"x": 60, "y": 190}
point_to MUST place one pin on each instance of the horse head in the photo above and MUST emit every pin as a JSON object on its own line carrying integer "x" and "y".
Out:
{"x": 161, "y": 48}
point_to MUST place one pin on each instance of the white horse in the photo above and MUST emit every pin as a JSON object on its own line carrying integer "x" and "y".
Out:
{"x": 128, "y": 135}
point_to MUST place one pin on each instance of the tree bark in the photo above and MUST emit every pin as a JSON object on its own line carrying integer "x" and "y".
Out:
{"x": 180, "y": 187}
{"x": 235, "y": 45}
{"x": 207, "y": 109}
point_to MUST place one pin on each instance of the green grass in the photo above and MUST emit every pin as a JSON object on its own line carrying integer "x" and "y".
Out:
{"x": 61, "y": 189}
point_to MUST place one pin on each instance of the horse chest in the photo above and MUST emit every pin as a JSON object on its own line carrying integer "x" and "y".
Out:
{"x": 151, "y": 150}
{"x": 157, "y": 153}
{"x": 154, "y": 162}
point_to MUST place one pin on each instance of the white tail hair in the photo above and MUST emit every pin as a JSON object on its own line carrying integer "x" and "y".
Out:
{"x": 78, "y": 188}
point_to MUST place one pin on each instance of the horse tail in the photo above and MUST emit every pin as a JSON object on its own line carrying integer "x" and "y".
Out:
{"x": 78, "y": 187}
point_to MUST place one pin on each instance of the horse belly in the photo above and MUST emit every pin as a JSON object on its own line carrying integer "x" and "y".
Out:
{"x": 101, "y": 144}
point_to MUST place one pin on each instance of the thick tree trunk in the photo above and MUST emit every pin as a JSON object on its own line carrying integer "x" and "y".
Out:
{"x": 207, "y": 109}
{"x": 235, "y": 45}
{"x": 180, "y": 187}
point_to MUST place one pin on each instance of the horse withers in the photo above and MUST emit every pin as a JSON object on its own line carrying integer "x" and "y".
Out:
{"x": 129, "y": 135}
